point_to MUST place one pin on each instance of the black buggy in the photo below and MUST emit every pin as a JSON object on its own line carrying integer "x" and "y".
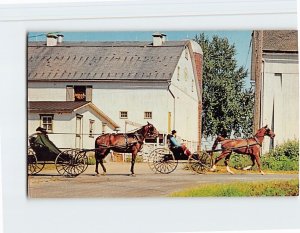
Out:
{"x": 41, "y": 151}
{"x": 165, "y": 159}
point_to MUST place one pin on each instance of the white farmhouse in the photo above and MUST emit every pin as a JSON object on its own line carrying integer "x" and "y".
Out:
{"x": 157, "y": 81}
{"x": 275, "y": 70}
{"x": 70, "y": 124}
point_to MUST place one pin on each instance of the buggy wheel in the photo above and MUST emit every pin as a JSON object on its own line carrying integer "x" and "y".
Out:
{"x": 200, "y": 163}
{"x": 71, "y": 162}
{"x": 33, "y": 165}
{"x": 164, "y": 161}
{"x": 81, "y": 162}
{"x": 150, "y": 161}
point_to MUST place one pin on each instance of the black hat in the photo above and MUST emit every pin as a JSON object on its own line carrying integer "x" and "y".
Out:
{"x": 41, "y": 129}
{"x": 174, "y": 131}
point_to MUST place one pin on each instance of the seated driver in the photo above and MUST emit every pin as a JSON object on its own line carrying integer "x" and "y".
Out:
{"x": 176, "y": 145}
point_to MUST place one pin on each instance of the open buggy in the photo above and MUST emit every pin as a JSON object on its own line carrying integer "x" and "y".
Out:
{"x": 165, "y": 159}
{"x": 41, "y": 151}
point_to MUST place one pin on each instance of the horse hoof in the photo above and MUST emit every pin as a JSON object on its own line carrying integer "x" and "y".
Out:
{"x": 103, "y": 174}
{"x": 229, "y": 171}
{"x": 133, "y": 175}
{"x": 247, "y": 168}
{"x": 262, "y": 173}
{"x": 213, "y": 169}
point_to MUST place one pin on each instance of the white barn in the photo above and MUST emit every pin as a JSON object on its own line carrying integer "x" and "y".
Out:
{"x": 275, "y": 70}
{"x": 157, "y": 81}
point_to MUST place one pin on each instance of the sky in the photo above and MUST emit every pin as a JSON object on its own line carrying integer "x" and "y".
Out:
{"x": 241, "y": 40}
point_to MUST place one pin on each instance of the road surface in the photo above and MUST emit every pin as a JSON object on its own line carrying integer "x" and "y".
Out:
{"x": 118, "y": 183}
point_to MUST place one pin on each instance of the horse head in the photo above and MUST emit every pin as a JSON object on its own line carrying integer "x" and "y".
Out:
{"x": 266, "y": 131}
{"x": 269, "y": 132}
{"x": 150, "y": 130}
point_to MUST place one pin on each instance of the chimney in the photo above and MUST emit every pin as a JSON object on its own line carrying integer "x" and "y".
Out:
{"x": 60, "y": 38}
{"x": 51, "y": 39}
{"x": 158, "y": 39}
{"x": 164, "y": 38}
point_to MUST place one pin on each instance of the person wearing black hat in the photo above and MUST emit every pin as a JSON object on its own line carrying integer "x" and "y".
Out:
{"x": 176, "y": 145}
{"x": 41, "y": 130}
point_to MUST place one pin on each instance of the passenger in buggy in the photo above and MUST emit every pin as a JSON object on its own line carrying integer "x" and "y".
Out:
{"x": 41, "y": 143}
{"x": 175, "y": 146}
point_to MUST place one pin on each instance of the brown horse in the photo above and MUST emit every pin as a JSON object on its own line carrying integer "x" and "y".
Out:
{"x": 249, "y": 146}
{"x": 123, "y": 143}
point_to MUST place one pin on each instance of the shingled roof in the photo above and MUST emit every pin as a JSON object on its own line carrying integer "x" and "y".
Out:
{"x": 103, "y": 61}
{"x": 280, "y": 40}
{"x": 55, "y": 106}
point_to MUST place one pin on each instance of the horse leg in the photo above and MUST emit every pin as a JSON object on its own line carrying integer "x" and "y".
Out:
{"x": 97, "y": 158}
{"x": 221, "y": 156}
{"x": 257, "y": 158}
{"x": 253, "y": 163}
{"x": 226, "y": 163}
{"x": 134, "y": 153}
{"x": 102, "y": 163}
{"x": 103, "y": 167}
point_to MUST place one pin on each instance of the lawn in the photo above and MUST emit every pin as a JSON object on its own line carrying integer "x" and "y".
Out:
{"x": 243, "y": 189}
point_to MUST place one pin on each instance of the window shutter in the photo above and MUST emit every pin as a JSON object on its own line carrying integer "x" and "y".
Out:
{"x": 89, "y": 90}
{"x": 70, "y": 93}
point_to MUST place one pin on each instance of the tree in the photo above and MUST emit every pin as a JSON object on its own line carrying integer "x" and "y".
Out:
{"x": 227, "y": 105}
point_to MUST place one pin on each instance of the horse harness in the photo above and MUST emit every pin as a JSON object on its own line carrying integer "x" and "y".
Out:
{"x": 248, "y": 145}
{"x": 135, "y": 136}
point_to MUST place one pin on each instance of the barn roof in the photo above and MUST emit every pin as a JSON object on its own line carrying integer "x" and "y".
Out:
{"x": 65, "y": 107}
{"x": 280, "y": 41}
{"x": 103, "y": 61}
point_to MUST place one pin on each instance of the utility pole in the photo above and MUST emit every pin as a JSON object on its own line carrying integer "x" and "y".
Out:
{"x": 257, "y": 76}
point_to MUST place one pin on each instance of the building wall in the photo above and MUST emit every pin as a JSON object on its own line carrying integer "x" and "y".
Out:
{"x": 186, "y": 101}
{"x": 280, "y": 98}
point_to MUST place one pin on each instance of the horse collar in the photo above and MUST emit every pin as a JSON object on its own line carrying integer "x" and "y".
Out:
{"x": 256, "y": 139}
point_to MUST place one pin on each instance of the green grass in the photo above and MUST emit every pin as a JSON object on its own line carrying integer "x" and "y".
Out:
{"x": 243, "y": 189}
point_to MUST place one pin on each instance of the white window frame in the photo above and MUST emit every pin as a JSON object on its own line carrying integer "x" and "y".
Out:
{"x": 91, "y": 128}
{"x": 47, "y": 124}
{"x": 148, "y": 113}
{"x": 121, "y": 115}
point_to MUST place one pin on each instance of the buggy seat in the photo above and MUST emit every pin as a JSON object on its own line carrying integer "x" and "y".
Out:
{"x": 42, "y": 145}
{"x": 177, "y": 151}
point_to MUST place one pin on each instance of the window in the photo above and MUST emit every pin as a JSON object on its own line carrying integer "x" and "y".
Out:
{"x": 91, "y": 132}
{"x": 123, "y": 114}
{"x": 47, "y": 122}
{"x": 80, "y": 93}
{"x": 148, "y": 115}
{"x": 178, "y": 73}
{"x": 104, "y": 127}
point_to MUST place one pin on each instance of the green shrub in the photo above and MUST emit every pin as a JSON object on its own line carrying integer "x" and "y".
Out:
{"x": 91, "y": 160}
{"x": 283, "y": 157}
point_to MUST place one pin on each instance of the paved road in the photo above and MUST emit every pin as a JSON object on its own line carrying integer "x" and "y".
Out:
{"x": 117, "y": 183}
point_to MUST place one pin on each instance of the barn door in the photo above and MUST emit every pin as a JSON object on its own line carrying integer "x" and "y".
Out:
{"x": 78, "y": 137}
